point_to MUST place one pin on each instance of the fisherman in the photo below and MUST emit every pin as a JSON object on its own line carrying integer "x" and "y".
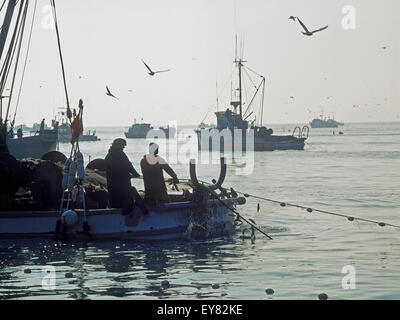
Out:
{"x": 152, "y": 166}
{"x": 20, "y": 133}
{"x": 12, "y": 175}
{"x": 42, "y": 126}
{"x": 119, "y": 173}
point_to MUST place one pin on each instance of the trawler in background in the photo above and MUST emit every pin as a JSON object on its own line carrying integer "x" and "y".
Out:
{"x": 233, "y": 119}
{"x": 325, "y": 123}
{"x": 140, "y": 131}
{"x": 65, "y": 132}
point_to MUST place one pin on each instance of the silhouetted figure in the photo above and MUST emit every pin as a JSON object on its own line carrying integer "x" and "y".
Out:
{"x": 119, "y": 173}
{"x": 12, "y": 176}
{"x": 41, "y": 130}
{"x": 19, "y": 133}
{"x": 152, "y": 166}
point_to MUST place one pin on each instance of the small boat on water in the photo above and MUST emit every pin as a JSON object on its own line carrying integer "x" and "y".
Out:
{"x": 140, "y": 131}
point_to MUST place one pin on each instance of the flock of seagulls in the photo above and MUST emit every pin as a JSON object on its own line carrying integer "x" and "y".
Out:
{"x": 151, "y": 73}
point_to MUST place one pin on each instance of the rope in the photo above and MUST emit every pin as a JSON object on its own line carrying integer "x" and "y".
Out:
{"x": 219, "y": 94}
{"x": 350, "y": 218}
{"x": 26, "y": 60}
{"x": 284, "y": 204}
{"x": 237, "y": 213}
{"x": 8, "y": 61}
{"x": 19, "y": 44}
{"x": 53, "y": 4}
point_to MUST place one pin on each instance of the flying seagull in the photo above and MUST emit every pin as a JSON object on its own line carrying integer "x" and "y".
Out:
{"x": 293, "y": 18}
{"x": 152, "y": 73}
{"x": 307, "y": 32}
{"x": 110, "y": 94}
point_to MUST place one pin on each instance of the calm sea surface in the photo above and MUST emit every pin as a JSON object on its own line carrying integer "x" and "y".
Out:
{"x": 356, "y": 174}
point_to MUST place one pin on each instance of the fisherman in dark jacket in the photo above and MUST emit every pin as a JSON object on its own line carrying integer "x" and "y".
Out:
{"x": 12, "y": 175}
{"x": 119, "y": 173}
{"x": 152, "y": 166}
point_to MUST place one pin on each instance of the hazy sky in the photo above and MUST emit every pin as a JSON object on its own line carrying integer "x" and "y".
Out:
{"x": 104, "y": 41}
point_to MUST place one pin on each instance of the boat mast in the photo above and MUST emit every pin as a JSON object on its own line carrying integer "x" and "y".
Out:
{"x": 239, "y": 65}
{"x": 3, "y": 39}
{"x": 6, "y": 24}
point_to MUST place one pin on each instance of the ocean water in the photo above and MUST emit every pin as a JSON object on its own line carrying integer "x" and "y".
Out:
{"x": 356, "y": 174}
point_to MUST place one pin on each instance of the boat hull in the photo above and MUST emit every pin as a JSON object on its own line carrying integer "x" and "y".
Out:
{"x": 33, "y": 146}
{"x": 263, "y": 143}
{"x": 165, "y": 222}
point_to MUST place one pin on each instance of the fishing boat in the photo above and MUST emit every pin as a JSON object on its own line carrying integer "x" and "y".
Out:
{"x": 141, "y": 130}
{"x": 33, "y": 146}
{"x": 196, "y": 212}
{"x": 19, "y": 145}
{"x": 65, "y": 132}
{"x": 59, "y": 197}
{"x": 234, "y": 119}
{"x": 325, "y": 123}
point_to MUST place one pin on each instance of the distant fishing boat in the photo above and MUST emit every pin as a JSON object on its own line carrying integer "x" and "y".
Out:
{"x": 65, "y": 132}
{"x": 203, "y": 125}
{"x": 140, "y": 131}
{"x": 233, "y": 118}
{"x": 325, "y": 123}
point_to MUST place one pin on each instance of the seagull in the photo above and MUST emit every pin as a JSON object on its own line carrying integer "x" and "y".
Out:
{"x": 293, "y": 18}
{"x": 110, "y": 94}
{"x": 307, "y": 32}
{"x": 152, "y": 73}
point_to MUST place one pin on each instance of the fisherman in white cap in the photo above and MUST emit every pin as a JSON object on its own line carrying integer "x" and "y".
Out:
{"x": 152, "y": 166}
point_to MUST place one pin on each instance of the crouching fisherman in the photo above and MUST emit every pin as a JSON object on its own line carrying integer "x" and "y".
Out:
{"x": 119, "y": 173}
